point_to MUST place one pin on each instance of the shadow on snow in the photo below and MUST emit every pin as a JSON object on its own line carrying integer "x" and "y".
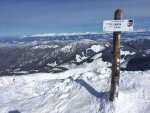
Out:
{"x": 14, "y": 111}
{"x": 91, "y": 90}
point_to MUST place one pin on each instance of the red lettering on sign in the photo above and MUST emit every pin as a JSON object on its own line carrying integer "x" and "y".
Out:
{"x": 110, "y": 24}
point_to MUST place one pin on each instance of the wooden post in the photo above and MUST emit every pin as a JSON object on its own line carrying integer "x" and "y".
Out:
{"x": 116, "y": 60}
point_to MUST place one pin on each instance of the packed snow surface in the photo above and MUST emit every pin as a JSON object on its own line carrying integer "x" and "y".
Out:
{"x": 80, "y": 90}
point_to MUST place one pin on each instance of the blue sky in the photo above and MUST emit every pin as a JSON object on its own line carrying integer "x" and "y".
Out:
{"x": 27, "y": 17}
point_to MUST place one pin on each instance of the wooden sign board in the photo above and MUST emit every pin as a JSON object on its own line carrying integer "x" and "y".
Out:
{"x": 118, "y": 25}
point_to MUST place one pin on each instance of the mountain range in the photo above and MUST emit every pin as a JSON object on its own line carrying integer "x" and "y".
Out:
{"x": 53, "y": 53}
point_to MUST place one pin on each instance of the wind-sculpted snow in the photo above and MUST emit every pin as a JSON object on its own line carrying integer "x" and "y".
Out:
{"x": 80, "y": 90}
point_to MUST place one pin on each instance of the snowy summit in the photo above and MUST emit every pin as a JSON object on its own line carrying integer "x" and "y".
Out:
{"x": 84, "y": 89}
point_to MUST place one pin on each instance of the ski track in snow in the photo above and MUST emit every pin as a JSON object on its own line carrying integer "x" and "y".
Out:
{"x": 80, "y": 90}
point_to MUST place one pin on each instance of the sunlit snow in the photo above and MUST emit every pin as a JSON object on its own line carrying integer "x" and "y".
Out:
{"x": 84, "y": 89}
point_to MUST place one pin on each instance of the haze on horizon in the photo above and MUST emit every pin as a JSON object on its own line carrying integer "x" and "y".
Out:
{"x": 27, "y": 17}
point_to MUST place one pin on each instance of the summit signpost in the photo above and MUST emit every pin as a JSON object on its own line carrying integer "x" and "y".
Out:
{"x": 117, "y": 26}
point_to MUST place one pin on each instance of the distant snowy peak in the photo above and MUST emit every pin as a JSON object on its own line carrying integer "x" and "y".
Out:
{"x": 23, "y": 37}
{"x": 63, "y": 34}
{"x": 44, "y": 46}
{"x": 78, "y": 33}
{"x": 148, "y": 30}
{"x": 142, "y": 30}
{"x": 87, "y": 35}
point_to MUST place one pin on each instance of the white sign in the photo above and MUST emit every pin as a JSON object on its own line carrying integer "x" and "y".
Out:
{"x": 118, "y": 25}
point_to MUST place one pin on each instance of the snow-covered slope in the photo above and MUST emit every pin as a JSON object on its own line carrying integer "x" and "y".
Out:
{"x": 84, "y": 89}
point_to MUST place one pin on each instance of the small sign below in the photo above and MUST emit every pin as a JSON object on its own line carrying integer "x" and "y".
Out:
{"x": 118, "y": 25}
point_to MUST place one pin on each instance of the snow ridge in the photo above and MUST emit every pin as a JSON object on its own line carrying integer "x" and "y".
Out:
{"x": 84, "y": 89}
